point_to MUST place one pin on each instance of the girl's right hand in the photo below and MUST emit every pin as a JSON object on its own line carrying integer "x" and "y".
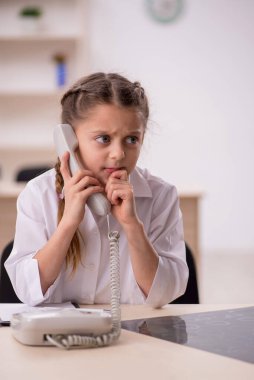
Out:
{"x": 77, "y": 189}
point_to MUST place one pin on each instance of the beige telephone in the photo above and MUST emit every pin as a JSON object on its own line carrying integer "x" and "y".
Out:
{"x": 42, "y": 326}
{"x": 65, "y": 140}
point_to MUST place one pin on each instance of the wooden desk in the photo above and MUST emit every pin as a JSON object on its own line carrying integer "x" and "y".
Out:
{"x": 8, "y": 197}
{"x": 190, "y": 205}
{"x": 134, "y": 356}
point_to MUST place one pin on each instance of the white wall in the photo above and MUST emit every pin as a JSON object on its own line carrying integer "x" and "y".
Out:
{"x": 199, "y": 75}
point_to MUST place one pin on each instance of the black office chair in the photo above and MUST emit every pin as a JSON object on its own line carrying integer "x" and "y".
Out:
{"x": 7, "y": 293}
{"x": 28, "y": 173}
{"x": 191, "y": 295}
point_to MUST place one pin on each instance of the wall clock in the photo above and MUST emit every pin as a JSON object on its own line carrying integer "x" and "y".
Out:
{"x": 164, "y": 10}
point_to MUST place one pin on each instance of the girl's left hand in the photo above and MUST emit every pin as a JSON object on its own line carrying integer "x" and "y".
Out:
{"x": 120, "y": 194}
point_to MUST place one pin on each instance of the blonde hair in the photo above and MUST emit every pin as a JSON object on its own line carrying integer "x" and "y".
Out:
{"x": 88, "y": 92}
{"x": 73, "y": 256}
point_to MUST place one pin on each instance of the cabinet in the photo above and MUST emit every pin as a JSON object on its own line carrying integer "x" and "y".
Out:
{"x": 29, "y": 93}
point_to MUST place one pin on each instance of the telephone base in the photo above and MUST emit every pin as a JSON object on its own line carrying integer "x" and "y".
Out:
{"x": 32, "y": 327}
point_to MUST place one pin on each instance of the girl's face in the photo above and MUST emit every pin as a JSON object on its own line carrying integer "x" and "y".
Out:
{"x": 110, "y": 138}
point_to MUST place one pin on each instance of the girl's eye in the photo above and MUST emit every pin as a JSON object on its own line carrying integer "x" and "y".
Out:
{"x": 103, "y": 139}
{"x": 132, "y": 140}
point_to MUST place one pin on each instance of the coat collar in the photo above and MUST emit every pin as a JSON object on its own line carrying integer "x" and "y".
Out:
{"x": 140, "y": 184}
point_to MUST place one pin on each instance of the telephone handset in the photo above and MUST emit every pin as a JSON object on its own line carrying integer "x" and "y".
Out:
{"x": 66, "y": 139}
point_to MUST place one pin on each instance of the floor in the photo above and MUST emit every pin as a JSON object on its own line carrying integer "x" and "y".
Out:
{"x": 227, "y": 279}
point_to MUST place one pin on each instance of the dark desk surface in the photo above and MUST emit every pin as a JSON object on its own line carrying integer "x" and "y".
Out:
{"x": 225, "y": 332}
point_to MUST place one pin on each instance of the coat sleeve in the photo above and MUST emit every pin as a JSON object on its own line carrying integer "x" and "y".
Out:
{"x": 166, "y": 235}
{"x": 32, "y": 233}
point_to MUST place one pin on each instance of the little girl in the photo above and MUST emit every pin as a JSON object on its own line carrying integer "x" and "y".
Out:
{"x": 61, "y": 249}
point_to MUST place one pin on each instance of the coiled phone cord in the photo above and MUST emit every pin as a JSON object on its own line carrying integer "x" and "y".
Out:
{"x": 82, "y": 341}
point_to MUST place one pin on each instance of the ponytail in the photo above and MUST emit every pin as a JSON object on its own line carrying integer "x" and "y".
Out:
{"x": 73, "y": 257}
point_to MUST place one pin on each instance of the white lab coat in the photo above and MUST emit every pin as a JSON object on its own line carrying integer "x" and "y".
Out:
{"x": 157, "y": 206}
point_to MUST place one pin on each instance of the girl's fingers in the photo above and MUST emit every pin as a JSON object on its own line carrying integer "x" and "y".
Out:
{"x": 118, "y": 192}
{"x": 65, "y": 171}
{"x": 120, "y": 174}
{"x": 64, "y": 167}
{"x": 86, "y": 182}
{"x": 118, "y": 187}
{"x": 91, "y": 190}
{"x": 118, "y": 196}
{"x": 82, "y": 173}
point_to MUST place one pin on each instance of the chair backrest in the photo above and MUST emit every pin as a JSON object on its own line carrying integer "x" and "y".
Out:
{"x": 191, "y": 294}
{"x": 7, "y": 293}
{"x": 26, "y": 174}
